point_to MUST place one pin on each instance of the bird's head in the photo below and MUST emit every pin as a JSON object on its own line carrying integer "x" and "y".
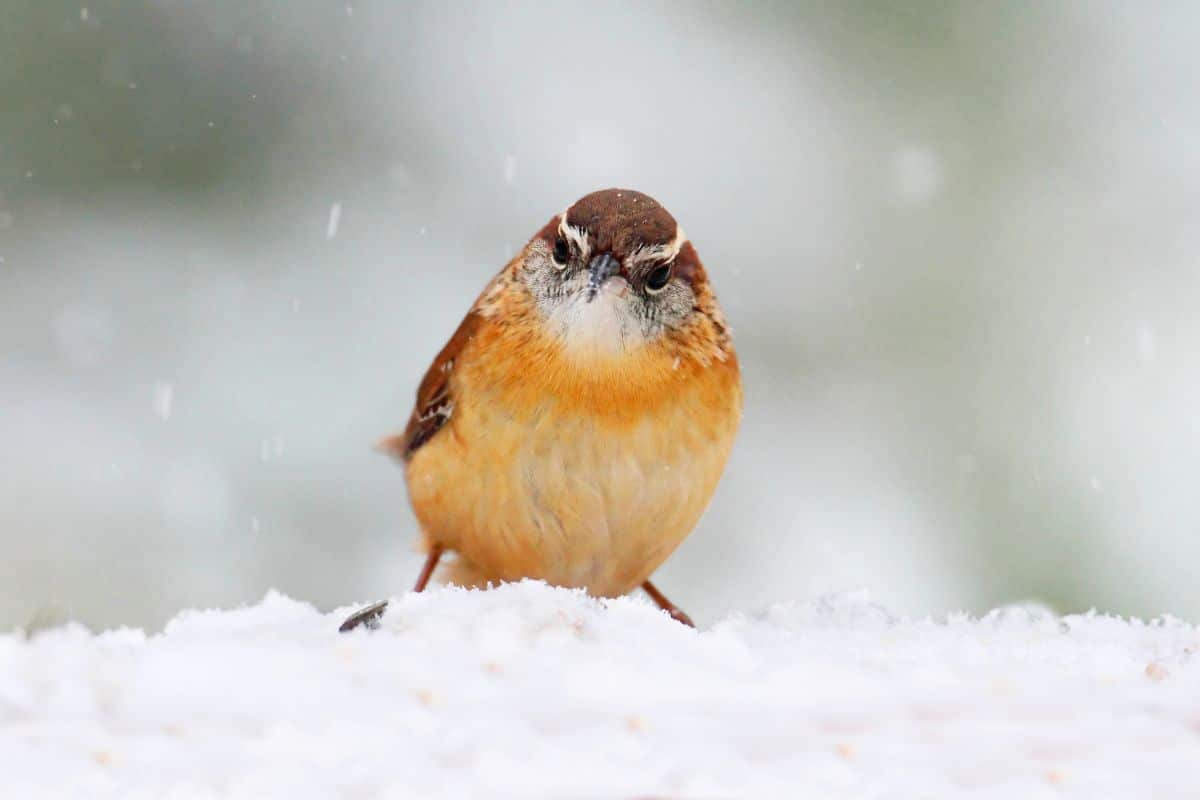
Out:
{"x": 615, "y": 272}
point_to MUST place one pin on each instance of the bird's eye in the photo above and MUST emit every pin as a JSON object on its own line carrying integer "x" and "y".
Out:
{"x": 562, "y": 252}
{"x": 657, "y": 280}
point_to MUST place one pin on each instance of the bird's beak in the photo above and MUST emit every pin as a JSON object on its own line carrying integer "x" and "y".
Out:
{"x": 601, "y": 268}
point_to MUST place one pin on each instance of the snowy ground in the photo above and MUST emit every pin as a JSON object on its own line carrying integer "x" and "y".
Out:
{"x": 529, "y": 691}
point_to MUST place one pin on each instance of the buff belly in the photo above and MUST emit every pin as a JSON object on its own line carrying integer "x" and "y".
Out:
{"x": 574, "y": 499}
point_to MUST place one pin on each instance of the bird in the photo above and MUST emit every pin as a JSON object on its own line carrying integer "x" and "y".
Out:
{"x": 575, "y": 426}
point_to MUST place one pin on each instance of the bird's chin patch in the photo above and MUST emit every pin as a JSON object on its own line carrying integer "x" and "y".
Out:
{"x": 606, "y": 326}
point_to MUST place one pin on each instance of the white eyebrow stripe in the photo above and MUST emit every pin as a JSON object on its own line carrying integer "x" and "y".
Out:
{"x": 659, "y": 252}
{"x": 576, "y": 235}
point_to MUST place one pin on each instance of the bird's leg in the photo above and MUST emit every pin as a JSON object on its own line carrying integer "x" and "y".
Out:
{"x": 660, "y": 599}
{"x": 431, "y": 562}
{"x": 370, "y": 615}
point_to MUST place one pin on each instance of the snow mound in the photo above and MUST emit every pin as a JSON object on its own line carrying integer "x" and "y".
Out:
{"x": 530, "y": 691}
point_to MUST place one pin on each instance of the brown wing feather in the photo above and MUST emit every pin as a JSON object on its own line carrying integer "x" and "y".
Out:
{"x": 435, "y": 401}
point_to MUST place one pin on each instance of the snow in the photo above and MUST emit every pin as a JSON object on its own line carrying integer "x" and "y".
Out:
{"x": 335, "y": 221}
{"x": 164, "y": 397}
{"x": 529, "y": 691}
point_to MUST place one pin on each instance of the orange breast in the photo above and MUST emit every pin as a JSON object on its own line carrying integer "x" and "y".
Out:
{"x": 588, "y": 482}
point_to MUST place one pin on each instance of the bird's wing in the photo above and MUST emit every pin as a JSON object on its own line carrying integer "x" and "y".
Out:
{"x": 435, "y": 400}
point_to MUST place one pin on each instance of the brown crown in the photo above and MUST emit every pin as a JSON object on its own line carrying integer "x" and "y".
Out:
{"x": 619, "y": 221}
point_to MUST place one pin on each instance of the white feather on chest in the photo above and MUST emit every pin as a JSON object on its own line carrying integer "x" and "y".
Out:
{"x": 604, "y": 326}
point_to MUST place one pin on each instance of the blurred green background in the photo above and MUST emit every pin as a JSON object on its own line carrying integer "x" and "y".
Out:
{"x": 956, "y": 242}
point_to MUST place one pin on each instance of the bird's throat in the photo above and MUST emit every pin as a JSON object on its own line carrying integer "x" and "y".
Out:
{"x": 604, "y": 327}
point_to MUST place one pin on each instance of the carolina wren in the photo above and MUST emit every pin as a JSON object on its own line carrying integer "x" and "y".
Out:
{"x": 575, "y": 426}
